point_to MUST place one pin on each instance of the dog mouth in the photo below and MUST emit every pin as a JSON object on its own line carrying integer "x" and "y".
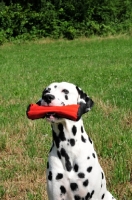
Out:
{"x": 52, "y": 117}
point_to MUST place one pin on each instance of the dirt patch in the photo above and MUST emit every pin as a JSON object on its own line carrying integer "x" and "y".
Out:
{"x": 106, "y": 107}
{"x": 126, "y": 122}
{"x": 22, "y": 186}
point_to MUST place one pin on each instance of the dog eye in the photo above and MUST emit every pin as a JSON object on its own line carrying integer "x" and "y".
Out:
{"x": 65, "y": 91}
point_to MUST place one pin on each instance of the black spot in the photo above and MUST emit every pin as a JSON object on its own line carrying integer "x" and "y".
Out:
{"x": 87, "y": 197}
{"x": 68, "y": 166}
{"x": 81, "y": 93}
{"x": 83, "y": 139}
{"x": 56, "y": 139}
{"x": 66, "y": 97}
{"x": 76, "y": 197}
{"x": 67, "y": 159}
{"x": 60, "y": 127}
{"x": 62, "y": 103}
{"x": 55, "y": 86}
{"x": 47, "y": 165}
{"x": 102, "y": 175}
{"x": 101, "y": 185}
{"x": 60, "y": 137}
{"x": 103, "y": 196}
{"x": 65, "y": 91}
{"x": 72, "y": 142}
{"x": 74, "y": 130}
{"x": 82, "y": 129}
{"x": 93, "y": 154}
{"x": 73, "y": 186}
{"x": 61, "y": 134}
{"x": 50, "y": 176}
{"x": 64, "y": 154}
{"x": 89, "y": 169}
{"x": 59, "y": 176}
{"x": 88, "y": 157}
{"x": 46, "y": 90}
{"x": 92, "y": 194}
{"x": 63, "y": 190}
{"x": 76, "y": 168}
{"x": 59, "y": 155}
{"x": 90, "y": 140}
{"x": 81, "y": 175}
{"x": 85, "y": 183}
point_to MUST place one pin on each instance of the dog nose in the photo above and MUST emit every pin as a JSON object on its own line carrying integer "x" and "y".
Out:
{"x": 48, "y": 98}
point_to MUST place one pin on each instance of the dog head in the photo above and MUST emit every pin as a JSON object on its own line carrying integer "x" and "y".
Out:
{"x": 61, "y": 94}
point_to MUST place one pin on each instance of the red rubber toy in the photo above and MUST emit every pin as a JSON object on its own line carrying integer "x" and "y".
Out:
{"x": 34, "y": 111}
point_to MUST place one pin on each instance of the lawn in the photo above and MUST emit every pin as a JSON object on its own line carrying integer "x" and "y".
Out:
{"x": 103, "y": 69}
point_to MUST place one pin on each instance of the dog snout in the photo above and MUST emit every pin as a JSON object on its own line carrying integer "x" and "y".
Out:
{"x": 48, "y": 98}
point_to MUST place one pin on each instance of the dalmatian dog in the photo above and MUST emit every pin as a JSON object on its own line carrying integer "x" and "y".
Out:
{"x": 73, "y": 169}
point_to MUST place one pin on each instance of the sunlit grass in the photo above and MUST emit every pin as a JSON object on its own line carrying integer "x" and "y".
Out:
{"x": 102, "y": 68}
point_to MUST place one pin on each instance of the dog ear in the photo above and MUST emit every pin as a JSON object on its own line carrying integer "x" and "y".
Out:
{"x": 85, "y": 102}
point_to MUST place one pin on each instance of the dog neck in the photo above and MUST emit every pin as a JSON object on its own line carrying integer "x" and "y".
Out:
{"x": 67, "y": 130}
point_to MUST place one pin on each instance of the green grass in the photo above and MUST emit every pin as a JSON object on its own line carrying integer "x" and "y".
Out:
{"x": 102, "y": 68}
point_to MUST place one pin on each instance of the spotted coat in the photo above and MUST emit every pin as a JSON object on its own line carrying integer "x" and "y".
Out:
{"x": 73, "y": 169}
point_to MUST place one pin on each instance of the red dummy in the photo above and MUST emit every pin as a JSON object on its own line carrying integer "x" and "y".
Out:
{"x": 34, "y": 111}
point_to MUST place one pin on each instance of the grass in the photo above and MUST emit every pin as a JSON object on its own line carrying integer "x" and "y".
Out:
{"x": 102, "y": 68}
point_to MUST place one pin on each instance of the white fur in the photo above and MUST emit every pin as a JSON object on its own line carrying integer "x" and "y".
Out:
{"x": 80, "y": 154}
